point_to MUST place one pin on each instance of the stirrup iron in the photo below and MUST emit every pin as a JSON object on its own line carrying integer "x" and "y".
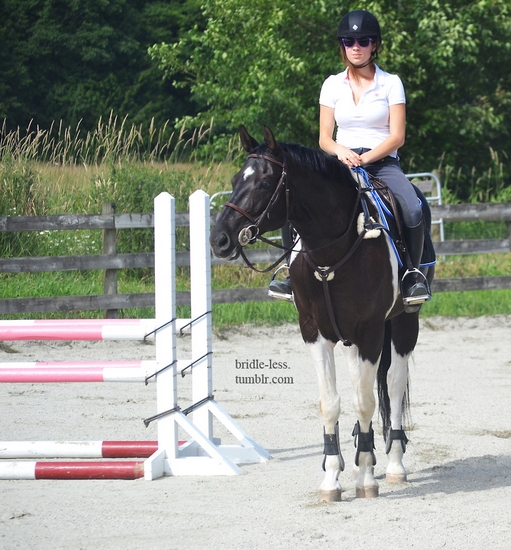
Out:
{"x": 415, "y": 300}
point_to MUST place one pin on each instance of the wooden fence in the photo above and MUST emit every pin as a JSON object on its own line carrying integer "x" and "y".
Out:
{"x": 110, "y": 261}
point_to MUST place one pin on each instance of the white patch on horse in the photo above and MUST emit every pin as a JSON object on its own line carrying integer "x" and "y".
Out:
{"x": 329, "y": 277}
{"x": 370, "y": 233}
{"x": 392, "y": 256}
{"x": 248, "y": 172}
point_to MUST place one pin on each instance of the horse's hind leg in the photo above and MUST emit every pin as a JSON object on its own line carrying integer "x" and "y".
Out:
{"x": 405, "y": 329}
{"x": 396, "y": 439}
{"x": 322, "y": 352}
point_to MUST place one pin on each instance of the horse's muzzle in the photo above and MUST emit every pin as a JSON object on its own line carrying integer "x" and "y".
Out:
{"x": 223, "y": 246}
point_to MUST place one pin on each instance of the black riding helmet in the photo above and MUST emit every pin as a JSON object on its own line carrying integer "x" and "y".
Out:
{"x": 357, "y": 24}
{"x": 360, "y": 24}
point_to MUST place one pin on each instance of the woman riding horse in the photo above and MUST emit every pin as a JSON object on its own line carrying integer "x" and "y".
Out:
{"x": 368, "y": 107}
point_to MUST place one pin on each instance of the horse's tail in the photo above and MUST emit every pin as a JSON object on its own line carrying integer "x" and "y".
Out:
{"x": 383, "y": 391}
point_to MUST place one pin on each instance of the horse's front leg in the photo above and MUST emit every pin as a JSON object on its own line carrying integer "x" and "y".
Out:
{"x": 322, "y": 352}
{"x": 363, "y": 375}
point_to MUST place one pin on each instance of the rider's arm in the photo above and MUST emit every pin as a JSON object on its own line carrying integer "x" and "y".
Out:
{"x": 397, "y": 122}
{"x": 326, "y": 132}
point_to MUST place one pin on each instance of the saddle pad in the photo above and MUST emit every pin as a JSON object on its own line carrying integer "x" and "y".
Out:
{"x": 388, "y": 221}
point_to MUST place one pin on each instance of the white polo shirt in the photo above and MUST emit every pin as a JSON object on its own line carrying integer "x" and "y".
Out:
{"x": 367, "y": 123}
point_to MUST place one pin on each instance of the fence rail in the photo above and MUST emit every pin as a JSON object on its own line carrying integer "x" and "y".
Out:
{"x": 110, "y": 223}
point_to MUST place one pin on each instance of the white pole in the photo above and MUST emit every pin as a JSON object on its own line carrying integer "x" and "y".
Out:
{"x": 200, "y": 278}
{"x": 165, "y": 293}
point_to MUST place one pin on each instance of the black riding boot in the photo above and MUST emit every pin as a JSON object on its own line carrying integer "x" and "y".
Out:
{"x": 414, "y": 285}
{"x": 281, "y": 289}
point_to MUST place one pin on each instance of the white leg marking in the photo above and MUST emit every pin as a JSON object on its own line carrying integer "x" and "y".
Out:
{"x": 363, "y": 376}
{"x": 322, "y": 352}
{"x": 397, "y": 377}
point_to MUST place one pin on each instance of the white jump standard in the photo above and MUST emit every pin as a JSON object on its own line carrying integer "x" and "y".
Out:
{"x": 202, "y": 453}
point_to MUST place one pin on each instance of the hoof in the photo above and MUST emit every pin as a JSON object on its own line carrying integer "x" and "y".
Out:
{"x": 367, "y": 492}
{"x": 395, "y": 478}
{"x": 330, "y": 496}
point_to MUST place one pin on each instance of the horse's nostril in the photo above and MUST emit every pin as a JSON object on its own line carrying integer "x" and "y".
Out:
{"x": 223, "y": 241}
{"x": 220, "y": 243}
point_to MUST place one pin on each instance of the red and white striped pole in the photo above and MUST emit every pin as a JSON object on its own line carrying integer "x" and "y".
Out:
{"x": 71, "y": 470}
{"x": 77, "y": 449}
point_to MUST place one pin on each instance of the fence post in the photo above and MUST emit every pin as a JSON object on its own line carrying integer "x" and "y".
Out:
{"x": 110, "y": 247}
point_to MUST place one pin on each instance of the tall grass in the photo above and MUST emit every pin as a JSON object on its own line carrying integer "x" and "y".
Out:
{"x": 112, "y": 140}
{"x": 475, "y": 186}
{"x": 64, "y": 171}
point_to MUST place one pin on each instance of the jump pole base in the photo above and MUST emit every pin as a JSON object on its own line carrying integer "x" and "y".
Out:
{"x": 168, "y": 462}
{"x": 202, "y": 456}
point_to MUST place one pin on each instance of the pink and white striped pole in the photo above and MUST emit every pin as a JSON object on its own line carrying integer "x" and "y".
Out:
{"x": 82, "y": 371}
{"x": 81, "y": 329}
{"x": 77, "y": 371}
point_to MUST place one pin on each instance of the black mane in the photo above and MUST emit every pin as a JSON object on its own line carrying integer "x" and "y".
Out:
{"x": 313, "y": 159}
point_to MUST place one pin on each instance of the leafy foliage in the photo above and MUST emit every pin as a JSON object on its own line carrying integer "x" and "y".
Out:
{"x": 459, "y": 97}
{"x": 79, "y": 61}
{"x": 263, "y": 62}
{"x": 255, "y": 63}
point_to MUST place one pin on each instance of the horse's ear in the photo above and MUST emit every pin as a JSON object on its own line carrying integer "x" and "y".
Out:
{"x": 247, "y": 141}
{"x": 269, "y": 139}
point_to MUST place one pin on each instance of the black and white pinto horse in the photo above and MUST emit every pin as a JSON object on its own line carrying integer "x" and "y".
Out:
{"x": 345, "y": 287}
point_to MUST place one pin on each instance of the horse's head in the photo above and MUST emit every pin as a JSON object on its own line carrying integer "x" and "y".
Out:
{"x": 257, "y": 203}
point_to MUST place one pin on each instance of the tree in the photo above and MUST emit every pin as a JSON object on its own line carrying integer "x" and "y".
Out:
{"x": 256, "y": 63}
{"x": 263, "y": 62}
{"x": 452, "y": 58}
{"x": 79, "y": 61}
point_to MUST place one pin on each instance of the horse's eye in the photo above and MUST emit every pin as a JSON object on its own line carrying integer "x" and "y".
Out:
{"x": 263, "y": 184}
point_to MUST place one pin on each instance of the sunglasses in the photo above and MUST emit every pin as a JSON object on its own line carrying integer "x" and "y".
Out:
{"x": 362, "y": 42}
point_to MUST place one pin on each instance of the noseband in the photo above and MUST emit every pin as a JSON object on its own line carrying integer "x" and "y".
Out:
{"x": 248, "y": 234}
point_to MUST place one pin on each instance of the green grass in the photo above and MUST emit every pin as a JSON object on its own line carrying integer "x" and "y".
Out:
{"x": 452, "y": 304}
{"x": 60, "y": 172}
{"x": 469, "y": 304}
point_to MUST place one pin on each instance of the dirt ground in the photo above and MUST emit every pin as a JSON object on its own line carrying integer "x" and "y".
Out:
{"x": 457, "y": 496}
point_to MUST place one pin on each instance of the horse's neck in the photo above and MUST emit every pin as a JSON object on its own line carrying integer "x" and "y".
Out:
{"x": 321, "y": 212}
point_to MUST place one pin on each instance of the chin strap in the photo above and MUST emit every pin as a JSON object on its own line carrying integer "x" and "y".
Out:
{"x": 362, "y": 66}
{"x": 372, "y": 60}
